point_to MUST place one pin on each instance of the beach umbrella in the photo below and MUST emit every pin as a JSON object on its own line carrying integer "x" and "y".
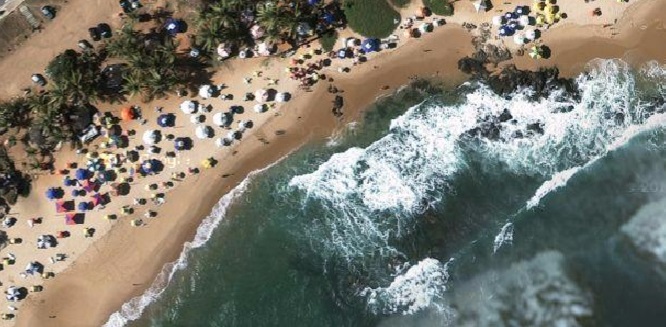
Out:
{"x": 521, "y": 10}
{"x": 509, "y": 16}
{"x": 540, "y": 20}
{"x": 481, "y": 5}
{"x": 127, "y": 113}
{"x": 233, "y": 135}
{"x": 132, "y": 156}
{"x": 506, "y": 30}
{"x": 68, "y": 181}
{"x": 52, "y": 193}
{"x": 257, "y": 31}
{"x": 519, "y": 39}
{"x": 188, "y": 107}
{"x": 259, "y": 108}
{"x": 524, "y": 20}
{"x": 204, "y": 132}
{"x": 425, "y": 28}
{"x": 220, "y": 142}
{"x": 313, "y": 2}
{"x": 70, "y": 219}
{"x": 180, "y": 144}
{"x": 82, "y": 206}
{"x": 221, "y": 119}
{"x": 328, "y": 18}
{"x": 33, "y": 267}
{"x": 531, "y": 34}
{"x": 261, "y": 95}
{"x": 75, "y": 192}
{"x": 536, "y": 52}
{"x": 81, "y": 174}
{"x": 114, "y": 130}
{"x": 196, "y": 119}
{"x": 342, "y": 53}
{"x": 151, "y": 137}
{"x": 205, "y": 91}
{"x": 498, "y": 20}
{"x": 223, "y": 51}
{"x": 243, "y": 53}
{"x": 538, "y": 5}
{"x": 147, "y": 167}
{"x": 96, "y": 200}
{"x": 370, "y": 45}
{"x": 165, "y": 120}
{"x": 282, "y": 97}
{"x": 173, "y": 26}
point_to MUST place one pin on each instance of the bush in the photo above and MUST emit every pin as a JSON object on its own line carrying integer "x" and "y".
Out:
{"x": 371, "y": 18}
{"x": 328, "y": 40}
{"x": 400, "y": 3}
{"x": 439, "y": 7}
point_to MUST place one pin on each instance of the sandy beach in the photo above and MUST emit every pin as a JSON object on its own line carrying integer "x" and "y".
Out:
{"x": 121, "y": 261}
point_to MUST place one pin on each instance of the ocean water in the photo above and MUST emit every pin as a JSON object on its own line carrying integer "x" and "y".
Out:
{"x": 408, "y": 219}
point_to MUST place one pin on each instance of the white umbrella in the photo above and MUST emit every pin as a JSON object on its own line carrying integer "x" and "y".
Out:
{"x": 205, "y": 91}
{"x": 425, "y": 28}
{"x": 223, "y": 51}
{"x": 207, "y": 108}
{"x": 259, "y": 108}
{"x": 519, "y": 39}
{"x": 243, "y": 54}
{"x": 263, "y": 49}
{"x": 498, "y": 20}
{"x": 524, "y": 20}
{"x": 349, "y": 42}
{"x": 243, "y": 124}
{"x": 150, "y": 137}
{"x": 196, "y": 119}
{"x": 188, "y": 107}
{"x": 232, "y": 135}
{"x": 204, "y": 132}
{"x": 220, "y": 142}
{"x": 220, "y": 119}
{"x": 257, "y": 31}
{"x": 531, "y": 34}
{"x": 282, "y": 97}
{"x": 261, "y": 95}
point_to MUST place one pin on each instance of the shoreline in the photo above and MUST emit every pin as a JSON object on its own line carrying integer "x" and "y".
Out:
{"x": 118, "y": 274}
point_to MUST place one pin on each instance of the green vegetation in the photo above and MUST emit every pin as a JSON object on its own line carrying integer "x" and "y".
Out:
{"x": 400, "y": 3}
{"x": 439, "y": 7}
{"x": 328, "y": 40}
{"x": 74, "y": 77}
{"x": 372, "y": 18}
{"x": 12, "y": 182}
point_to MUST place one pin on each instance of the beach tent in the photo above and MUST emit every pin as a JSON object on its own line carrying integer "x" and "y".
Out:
{"x": 166, "y": 120}
{"x": 259, "y": 108}
{"x": 151, "y": 137}
{"x": 188, "y": 107}
{"x": 70, "y": 219}
{"x": 481, "y": 5}
{"x": 96, "y": 200}
{"x": 221, "y": 119}
{"x": 204, "y": 132}
{"x": 370, "y": 45}
{"x": 282, "y": 97}
{"x": 81, "y": 174}
{"x": 498, "y": 20}
{"x": 61, "y": 206}
{"x": 127, "y": 113}
{"x": 257, "y": 31}
{"x": 261, "y": 95}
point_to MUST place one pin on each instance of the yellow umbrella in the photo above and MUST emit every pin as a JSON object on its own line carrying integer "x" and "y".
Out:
{"x": 207, "y": 163}
{"x": 540, "y": 20}
{"x": 536, "y": 52}
{"x": 538, "y": 6}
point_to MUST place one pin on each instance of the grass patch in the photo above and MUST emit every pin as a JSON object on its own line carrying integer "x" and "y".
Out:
{"x": 400, "y": 3}
{"x": 328, "y": 40}
{"x": 439, "y": 7}
{"x": 371, "y": 18}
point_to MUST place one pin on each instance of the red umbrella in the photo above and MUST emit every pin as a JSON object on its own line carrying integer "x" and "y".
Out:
{"x": 96, "y": 199}
{"x": 88, "y": 186}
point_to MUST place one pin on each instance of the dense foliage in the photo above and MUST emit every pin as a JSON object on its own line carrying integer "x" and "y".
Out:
{"x": 439, "y": 7}
{"x": 372, "y": 18}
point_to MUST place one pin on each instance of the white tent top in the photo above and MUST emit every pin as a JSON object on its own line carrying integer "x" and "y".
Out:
{"x": 220, "y": 119}
{"x": 223, "y": 50}
{"x": 257, "y": 31}
{"x": 150, "y": 137}
{"x": 481, "y": 5}
{"x": 204, "y": 132}
{"x": 519, "y": 39}
{"x": 259, "y": 108}
{"x": 188, "y": 107}
{"x": 205, "y": 91}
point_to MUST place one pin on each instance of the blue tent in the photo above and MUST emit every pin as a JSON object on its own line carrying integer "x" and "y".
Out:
{"x": 165, "y": 120}
{"x": 81, "y": 174}
{"x": 83, "y": 206}
{"x": 370, "y": 45}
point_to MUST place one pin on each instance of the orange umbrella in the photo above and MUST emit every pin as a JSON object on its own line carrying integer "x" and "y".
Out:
{"x": 127, "y": 113}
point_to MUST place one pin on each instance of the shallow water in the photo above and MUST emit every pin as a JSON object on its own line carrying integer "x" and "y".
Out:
{"x": 409, "y": 221}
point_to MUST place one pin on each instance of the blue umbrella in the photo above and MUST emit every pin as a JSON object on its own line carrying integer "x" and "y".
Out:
{"x": 172, "y": 26}
{"x": 509, "y": 16}
{"x": 164, "y": 120}
{"x": 75, "y": 193}
{"x": 520, "y": 10}
{"x": 51, "y": 193}
{"x": 83, "y": 206}
{"x": 329, "y": 18}
{"x": 370, "y": 45}
{"x": 313, "y": 2}
{"x": 81, "y": 174}
{"x": 342, "y": 53}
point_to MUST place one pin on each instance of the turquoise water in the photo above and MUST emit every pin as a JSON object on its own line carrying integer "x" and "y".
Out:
{"x": 408, "y": 220}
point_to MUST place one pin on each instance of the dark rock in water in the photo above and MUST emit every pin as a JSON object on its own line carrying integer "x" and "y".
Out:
{"x": 536, "y": 127}
{"x": 517, "y": 135}
{"x": 619, "y": 118}
{"x": 471, "y": 66}
{"x": 505, "y": 116}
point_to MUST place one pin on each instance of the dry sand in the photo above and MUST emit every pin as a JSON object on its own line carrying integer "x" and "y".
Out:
{"x": 125, "y": 260}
